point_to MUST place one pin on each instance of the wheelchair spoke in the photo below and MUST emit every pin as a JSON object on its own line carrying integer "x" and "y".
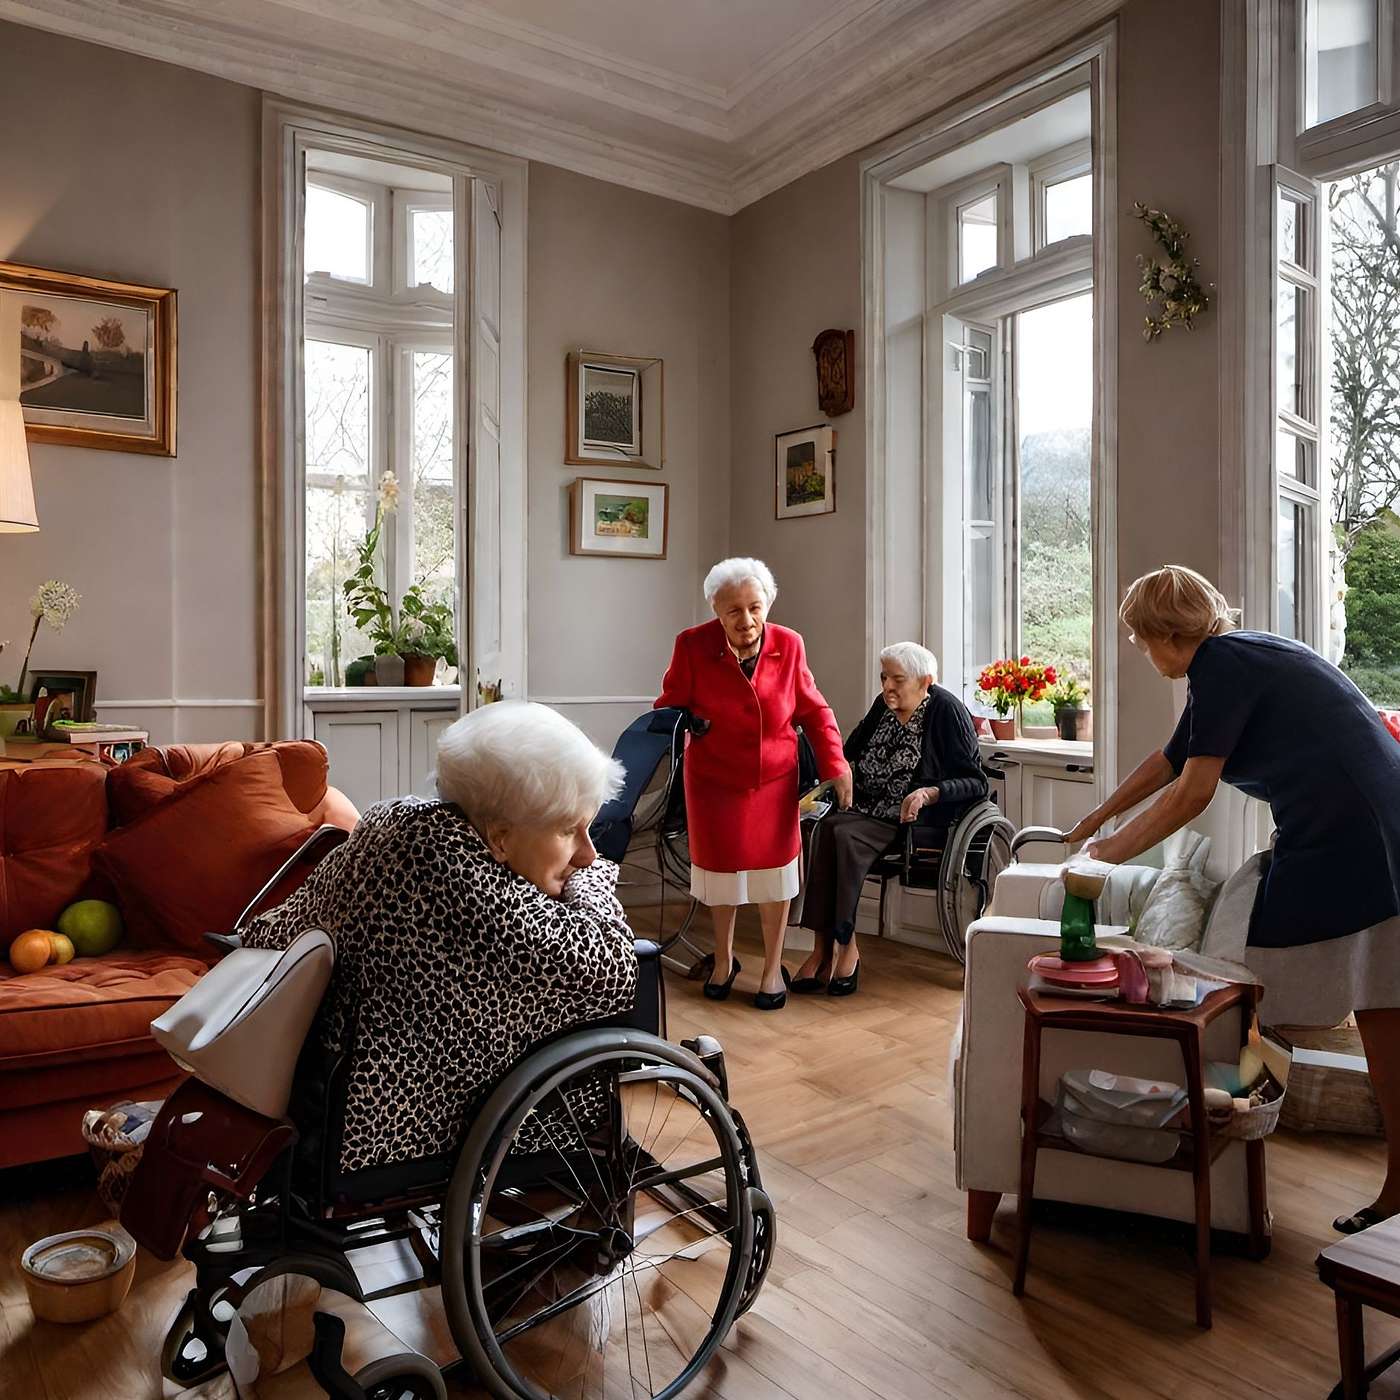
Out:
{"x": 661, "y": 1178}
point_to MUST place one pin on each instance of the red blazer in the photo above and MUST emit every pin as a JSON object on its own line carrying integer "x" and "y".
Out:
{"x": 751, "y": 739}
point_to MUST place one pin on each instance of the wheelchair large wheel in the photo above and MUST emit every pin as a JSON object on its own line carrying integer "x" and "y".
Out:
{"x": 978, "y": 850}
{"x": 598, "y": 1235}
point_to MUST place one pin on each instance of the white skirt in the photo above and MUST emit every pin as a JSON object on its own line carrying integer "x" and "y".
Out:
{"x": 769, "y": 886}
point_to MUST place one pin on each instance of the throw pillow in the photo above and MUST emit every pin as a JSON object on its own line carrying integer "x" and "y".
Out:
{"x": 1177, "y": 908}
{"x": 191, "y": 864}
{"x": 133, "y": 788}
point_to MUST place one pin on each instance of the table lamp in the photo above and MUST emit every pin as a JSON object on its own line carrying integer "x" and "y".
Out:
{"x": 17, "y": 513}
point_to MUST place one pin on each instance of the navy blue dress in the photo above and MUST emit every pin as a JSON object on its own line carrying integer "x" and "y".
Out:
{"x": 1296, "y": 733}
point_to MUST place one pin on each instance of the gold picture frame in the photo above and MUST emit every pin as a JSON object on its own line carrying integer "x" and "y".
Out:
{"x": 119, "y": 396}
{"x": 615, "y": 412}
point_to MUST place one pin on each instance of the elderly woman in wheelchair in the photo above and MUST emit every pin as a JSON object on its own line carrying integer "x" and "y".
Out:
{"x": 486, "y": 1081}
{"x": 916, "y": 766}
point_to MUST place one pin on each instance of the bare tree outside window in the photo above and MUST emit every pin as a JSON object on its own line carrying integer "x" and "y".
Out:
{"x": 1364, "y": 425}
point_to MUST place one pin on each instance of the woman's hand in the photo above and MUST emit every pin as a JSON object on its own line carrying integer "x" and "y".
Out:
{"x": 1084, "y": 829}
{"x": 916, "y": 802}
{"x": 842, "y": 787}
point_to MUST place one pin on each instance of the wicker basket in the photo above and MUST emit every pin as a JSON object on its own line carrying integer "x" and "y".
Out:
{"x": 1330, "y": 1098}
{"x": 1257, "y": 1122}
{"x": 115, "y": 1138}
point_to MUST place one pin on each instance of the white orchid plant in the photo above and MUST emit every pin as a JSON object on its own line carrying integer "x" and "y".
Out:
{"x": 53, "y": 602}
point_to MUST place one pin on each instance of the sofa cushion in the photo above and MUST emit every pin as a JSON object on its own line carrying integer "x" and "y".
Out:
{"x": 192, "y": 862}
{"x": 154, "y": 774}
{"x": 89, "y": 1008}
{"x": 51, "y": 821}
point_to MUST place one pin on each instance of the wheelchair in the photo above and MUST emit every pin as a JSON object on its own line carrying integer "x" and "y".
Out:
{"x": 643, "y": 830}
{"x": 600, "y": 1228}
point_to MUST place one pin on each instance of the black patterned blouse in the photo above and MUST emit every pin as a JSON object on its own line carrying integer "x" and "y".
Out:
{"x": 883, "y": 771}
{"x": 448, "y": 966}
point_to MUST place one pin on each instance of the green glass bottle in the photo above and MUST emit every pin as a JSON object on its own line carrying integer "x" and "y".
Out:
{"x": 1077, "y": 930}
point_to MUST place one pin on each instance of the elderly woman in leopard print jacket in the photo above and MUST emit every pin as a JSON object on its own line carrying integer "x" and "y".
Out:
{"x": 466, "y": 929}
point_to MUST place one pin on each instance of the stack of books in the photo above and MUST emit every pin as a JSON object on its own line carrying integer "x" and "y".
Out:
{"x": 110, "y": 743}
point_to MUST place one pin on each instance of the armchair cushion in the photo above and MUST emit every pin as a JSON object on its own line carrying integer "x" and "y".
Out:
{"x": 191, "y": 863}
{"x": 1179, "y": 903}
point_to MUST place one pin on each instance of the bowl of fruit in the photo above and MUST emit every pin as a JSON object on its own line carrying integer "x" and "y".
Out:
{"x": 87, "y": 929}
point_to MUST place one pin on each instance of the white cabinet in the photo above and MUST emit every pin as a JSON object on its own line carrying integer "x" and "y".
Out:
{"x": 384, "y": 746}
{"x": 1042, "y": 784}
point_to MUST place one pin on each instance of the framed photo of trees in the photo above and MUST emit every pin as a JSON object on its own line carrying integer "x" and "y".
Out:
{"x": 96, "y": 359}
{"x": 614, "y": 413}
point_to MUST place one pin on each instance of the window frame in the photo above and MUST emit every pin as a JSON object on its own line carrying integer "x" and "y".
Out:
{"x": 403, "y": 347}
{"x": 404, "y": 203}
{"x": 376, "y": 260}
{"x": 1054, "y": 168}
{"x": 952, "y": 200}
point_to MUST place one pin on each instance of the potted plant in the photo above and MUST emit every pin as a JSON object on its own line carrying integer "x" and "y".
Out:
{"x": 365, "y": 597}
{"x": 1010, "y": 683}
{"x": 425, "y": 634}
{"x": 53, "y": 602}
{"x": 1073, "y": 717}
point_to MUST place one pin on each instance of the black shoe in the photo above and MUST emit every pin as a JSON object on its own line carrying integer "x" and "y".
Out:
{"x": 774, "y": 1001}
{"x": 805, "y": 986}
{"x": 844, "y": 986}
{"x": 719, "y": 991}
{"x": 1359, "y": 1220}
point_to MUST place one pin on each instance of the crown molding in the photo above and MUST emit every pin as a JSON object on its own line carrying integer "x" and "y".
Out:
{"x": 459, "y": 69}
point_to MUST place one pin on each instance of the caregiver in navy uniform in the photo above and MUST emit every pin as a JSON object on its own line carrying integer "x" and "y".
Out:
{"x": 1275, "y": 720}
{"x": 746, "y": 684}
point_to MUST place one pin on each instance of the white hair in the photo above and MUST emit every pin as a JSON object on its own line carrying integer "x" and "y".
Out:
{"x": 523, "y": 764}
{"x": 912, "y": 659}
{"x": 729, "y": 572}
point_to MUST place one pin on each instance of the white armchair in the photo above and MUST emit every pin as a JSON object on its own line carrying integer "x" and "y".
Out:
{"x": 1022, "y": 920}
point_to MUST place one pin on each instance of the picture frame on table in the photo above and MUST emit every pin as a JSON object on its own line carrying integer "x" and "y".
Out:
{"x": 625, "y": 519}
{"x": 804, "y": 472}
{"x": 96, "y": 359}
{"x": 81, "y": 685}
{"x": 615, "y": 412}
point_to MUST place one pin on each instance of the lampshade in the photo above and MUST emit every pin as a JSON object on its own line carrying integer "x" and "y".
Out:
{"x": 17, "y": 513}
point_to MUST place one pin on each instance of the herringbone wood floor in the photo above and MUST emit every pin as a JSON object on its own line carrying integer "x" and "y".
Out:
{"x": 875, "y": 1291}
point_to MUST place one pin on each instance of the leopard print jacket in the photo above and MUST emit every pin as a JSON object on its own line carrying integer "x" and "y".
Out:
{"x": 448, "y": 966}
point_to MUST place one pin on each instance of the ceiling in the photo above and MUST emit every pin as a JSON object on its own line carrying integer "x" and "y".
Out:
{"x": 714, "y": 102}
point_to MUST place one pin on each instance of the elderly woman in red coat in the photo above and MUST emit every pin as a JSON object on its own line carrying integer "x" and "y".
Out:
{"x": 746, "y": 683}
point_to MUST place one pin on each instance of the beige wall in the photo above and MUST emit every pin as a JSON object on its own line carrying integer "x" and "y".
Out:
{"x": 796, "y": 272}
{"x": 628, "y": 273}
{"x": 120, "y": 167}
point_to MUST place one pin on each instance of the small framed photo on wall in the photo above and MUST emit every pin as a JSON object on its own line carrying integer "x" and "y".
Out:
{"x": 805, "y": 472}
{"x": 614, "y": 411}
{"x": 624, "y": 518}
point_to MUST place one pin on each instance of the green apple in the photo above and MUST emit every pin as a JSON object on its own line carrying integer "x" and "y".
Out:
{"x": 94, "y": 926}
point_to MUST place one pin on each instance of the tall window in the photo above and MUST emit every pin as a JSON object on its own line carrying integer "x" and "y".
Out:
{"x": 379, "y": 403}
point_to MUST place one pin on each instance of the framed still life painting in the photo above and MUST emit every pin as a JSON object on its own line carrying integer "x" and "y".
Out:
{"x": 614, "y": 413}
{"x": 805, "y": 472}
{"x": 96, "y": 359}
{"x": 624, "y": 518}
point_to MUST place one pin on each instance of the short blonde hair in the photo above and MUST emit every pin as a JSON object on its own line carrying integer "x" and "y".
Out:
{"x": 914, "y": 660}
{"x": 729, "y": 572}
{"x": 519, "y": 763}
{"x": 1175, "y": 601}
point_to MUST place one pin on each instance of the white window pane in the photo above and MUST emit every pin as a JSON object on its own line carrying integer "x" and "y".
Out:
{"x": 337, "y": 517}
{"x": 1296, "y": 457}
{"x": 1294, "y": 306}
{"x": 980, "y": 639}
{"x": 1341, "y": 45}
{"x": 1292, "y": 535}
{"x": 977, "y": 238}
{"x": 433, "y": 499}
{"x": 337, "y": 409}
{"x": 337, "y": 234}
{"x": 430, "y": 235}
{"x": 977, "y": 454}
{"x": 1069, "y": 208}
{"x": 1055, "y": 414}
{"x": 1292, "y": 229}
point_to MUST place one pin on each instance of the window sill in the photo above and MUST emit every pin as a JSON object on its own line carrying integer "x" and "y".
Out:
{"x": 377, "y": 696}
{"x": 1076, "y": 751}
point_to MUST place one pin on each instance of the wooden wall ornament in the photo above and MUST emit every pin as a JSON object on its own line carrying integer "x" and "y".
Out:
{"x": 835, "y": 353}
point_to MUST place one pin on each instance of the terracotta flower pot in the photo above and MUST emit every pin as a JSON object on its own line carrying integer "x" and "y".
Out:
{"x": 1003, "y": 728}
{"x": 418, "y": 670}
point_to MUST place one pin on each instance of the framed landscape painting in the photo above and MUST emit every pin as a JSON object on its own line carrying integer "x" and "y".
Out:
{"x": 614, "y": 410}
{"x": 625, "y": 518}
{"x": 96, "y": 359}
{"x": 805, "y": 472}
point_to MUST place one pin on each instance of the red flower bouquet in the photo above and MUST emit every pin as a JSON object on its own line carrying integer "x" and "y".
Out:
{"x": 1012, "y": 682}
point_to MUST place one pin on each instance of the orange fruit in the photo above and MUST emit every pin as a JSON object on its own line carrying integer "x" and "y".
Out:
{"x": 63, "y": 949}
{"x": 31, "y": 950}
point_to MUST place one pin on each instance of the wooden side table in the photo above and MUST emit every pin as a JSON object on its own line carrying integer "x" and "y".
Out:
{"x": 1363, "y": 1271}
{"x": 1199, "y": 1148}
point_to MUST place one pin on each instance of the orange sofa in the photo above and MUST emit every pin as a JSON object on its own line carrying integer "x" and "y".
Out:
{"x": 78, "y": 1036}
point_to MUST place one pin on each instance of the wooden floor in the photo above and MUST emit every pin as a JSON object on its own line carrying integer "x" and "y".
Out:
{"x": 874, "y": 1291}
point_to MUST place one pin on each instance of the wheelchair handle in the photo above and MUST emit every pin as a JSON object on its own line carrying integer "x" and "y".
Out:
{"x": 1032, "y": 835}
